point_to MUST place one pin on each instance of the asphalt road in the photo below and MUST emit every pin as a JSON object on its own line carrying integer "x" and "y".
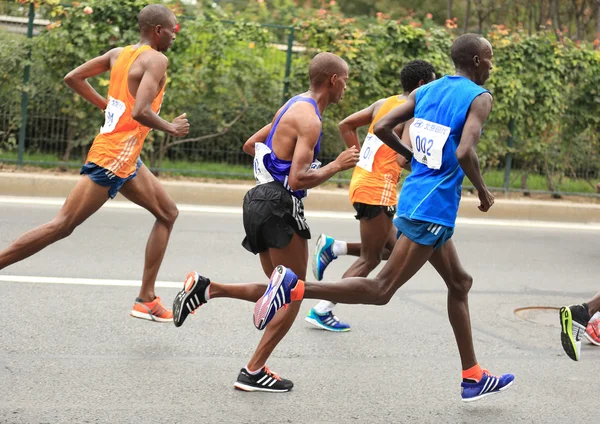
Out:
{"x": 70, "y": 353}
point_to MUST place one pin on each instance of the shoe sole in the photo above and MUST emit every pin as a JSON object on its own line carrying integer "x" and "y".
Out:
{"x": 567, "y": 338}
{"x": 182, "y": 297}
{"x": 324, "y": 327}
{"x": 245, "y": 388}
{"x": 260, "y": 310}
{"x": 473, "y": 399}
{"x": 321, "y": 241}
{"x": 591, "y": 340}
{"x": 149, "y": 317}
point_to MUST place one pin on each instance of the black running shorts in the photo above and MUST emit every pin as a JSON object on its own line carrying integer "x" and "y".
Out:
{"x": 371, "y": 211}
{"x": 271, "y": 217}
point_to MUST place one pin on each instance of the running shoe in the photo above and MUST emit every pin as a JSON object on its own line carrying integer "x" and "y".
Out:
{"x": 488, "y": 385}
{"x": 152, "y": 311}
{"x": 573, "y": 322}
{"x": 265, "y": 381}
{"x": 190, "y": 297}
{"x": 323, "y": 256}
{"x": 326, "y": 321}
{"x": 592, "y": 332}
{"x": 280, "y": 292}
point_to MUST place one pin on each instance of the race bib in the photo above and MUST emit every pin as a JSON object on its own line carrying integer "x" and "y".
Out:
{"x": 261, "y": 174}
{"x": 368, "y": 152}
{"x": 428, "y": 140}
{"x": 114, "y": 110}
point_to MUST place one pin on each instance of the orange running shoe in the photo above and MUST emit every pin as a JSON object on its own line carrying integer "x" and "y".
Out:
{"x": 152, "y": 311}
{"x": 592, "y": 332}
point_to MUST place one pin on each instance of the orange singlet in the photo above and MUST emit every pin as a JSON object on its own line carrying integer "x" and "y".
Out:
{"x": 376, "y": 174}
{"x": 118, "y": 146}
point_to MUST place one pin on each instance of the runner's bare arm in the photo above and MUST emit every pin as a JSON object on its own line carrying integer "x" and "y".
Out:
{"x": 301, "y": 176}
{"x": 384, "y": 128}
{"x": 358, "y": 119}
{"x": 466, "y": 154}
{"x": 77, "y": 78}
{"x": 259, "y": 137}
{"x": 154, "y": 71}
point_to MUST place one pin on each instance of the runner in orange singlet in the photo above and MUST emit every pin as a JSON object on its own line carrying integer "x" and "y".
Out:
{"x": 372, "y": 193}
{"x": 137, "y": 83}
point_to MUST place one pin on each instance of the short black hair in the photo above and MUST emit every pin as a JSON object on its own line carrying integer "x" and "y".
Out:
{"x": 153, "y": 15}
{"x": 415, "y": 71}
{"x": 324, "y": 65}
{"x": 465, "y": 48}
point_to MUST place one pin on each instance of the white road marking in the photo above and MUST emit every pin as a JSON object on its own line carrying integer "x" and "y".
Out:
{"x": 231, "y": 210}
{"x": 84, "y": 281}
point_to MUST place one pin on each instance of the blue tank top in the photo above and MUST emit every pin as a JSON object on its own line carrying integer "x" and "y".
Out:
{"x": 268, "y": 167}
{"x": 432, "y": 191}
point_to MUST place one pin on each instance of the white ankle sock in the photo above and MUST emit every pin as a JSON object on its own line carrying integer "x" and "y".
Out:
{"x": 253, "y": 372}
{"x": 207, "y": 293}
{"x": 339, "y": 248}
{"x": 323, "y": 307}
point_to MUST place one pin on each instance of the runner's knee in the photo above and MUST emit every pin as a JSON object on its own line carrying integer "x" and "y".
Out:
{"x": 169, "y": 213}
{"x": 383, "y": 291}
{"x": 371, "y": 262}
{"x": 460, "y": 286}
{"x": 62, "y": 227}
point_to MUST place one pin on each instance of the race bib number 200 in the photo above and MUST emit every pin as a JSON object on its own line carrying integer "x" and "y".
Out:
{"x": 428, "y": 140}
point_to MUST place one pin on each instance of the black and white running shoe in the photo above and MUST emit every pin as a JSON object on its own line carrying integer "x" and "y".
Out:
{"x": 190, "y": 297}
{"x": 265, "y": 381}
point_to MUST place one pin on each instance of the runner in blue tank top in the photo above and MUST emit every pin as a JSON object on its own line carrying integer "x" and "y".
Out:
{"x": 285, "y": 167}
{"x": 448, "y": 119}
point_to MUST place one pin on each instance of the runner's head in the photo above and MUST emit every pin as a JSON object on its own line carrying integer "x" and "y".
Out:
{"x": 159, "y": 25}
{"x": 329, "y": 72}
{"x": 415, "y": 74}
{"x": 472, "y": 56}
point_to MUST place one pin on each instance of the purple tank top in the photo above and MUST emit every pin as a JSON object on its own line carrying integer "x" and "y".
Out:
{"x": 268, "y": 167}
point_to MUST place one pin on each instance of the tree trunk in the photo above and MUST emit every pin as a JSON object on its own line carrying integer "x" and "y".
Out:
{"x": 524, "y": 177}
{"x": 598, "y": 18}
{"x": 467, "y": 13}
{"x": 449, "y": 12}
{"x": 557, "y": 14}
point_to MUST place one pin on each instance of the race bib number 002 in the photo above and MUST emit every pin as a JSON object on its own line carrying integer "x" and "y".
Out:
{"x": 428, "y": 140}
{"x": 368, "y": 152}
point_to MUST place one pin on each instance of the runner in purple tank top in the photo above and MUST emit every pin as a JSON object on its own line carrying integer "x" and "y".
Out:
{"x": 285, "y": 167}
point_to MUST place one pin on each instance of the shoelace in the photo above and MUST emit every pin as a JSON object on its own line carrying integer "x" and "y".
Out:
{"x": 272, "y": 374}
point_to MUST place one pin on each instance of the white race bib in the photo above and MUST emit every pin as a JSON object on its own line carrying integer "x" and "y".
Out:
{"x": 428, "y": 140}
{"x": 114, "y": 110}
{"x": 368, "y": 152}
{"x": 261, "y": 173}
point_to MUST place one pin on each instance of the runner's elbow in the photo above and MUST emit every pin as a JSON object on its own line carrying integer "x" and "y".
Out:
{"x": 248, "y": 147}
{"x": 69, "y": 79}
{"x": 297, "y": 182}
{"x": 138, "y": 113}
{"x": 380, "y": 130}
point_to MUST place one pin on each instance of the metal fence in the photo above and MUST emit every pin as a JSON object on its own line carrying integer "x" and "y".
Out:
{"x": 39, "y": 125}
{"x": 36, "y": 128}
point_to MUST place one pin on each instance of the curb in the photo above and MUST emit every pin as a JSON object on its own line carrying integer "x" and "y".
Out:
{"x": 200, "y": 193}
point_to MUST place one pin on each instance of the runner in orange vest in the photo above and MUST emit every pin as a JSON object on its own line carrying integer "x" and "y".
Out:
{"x": 135, "y": 92}
{"x": 372, "y": 193}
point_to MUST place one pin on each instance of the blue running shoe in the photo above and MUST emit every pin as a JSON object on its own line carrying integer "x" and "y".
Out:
{"x": 489, "y": 384}
{"x": 279, "y": 293}
{"x": 323, "y": 256}
{"x": 326, "y": 321}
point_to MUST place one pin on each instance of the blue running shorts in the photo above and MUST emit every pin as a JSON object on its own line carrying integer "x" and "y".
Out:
{"x": 425, "y": 233}
{"x": 106, "y": 178}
